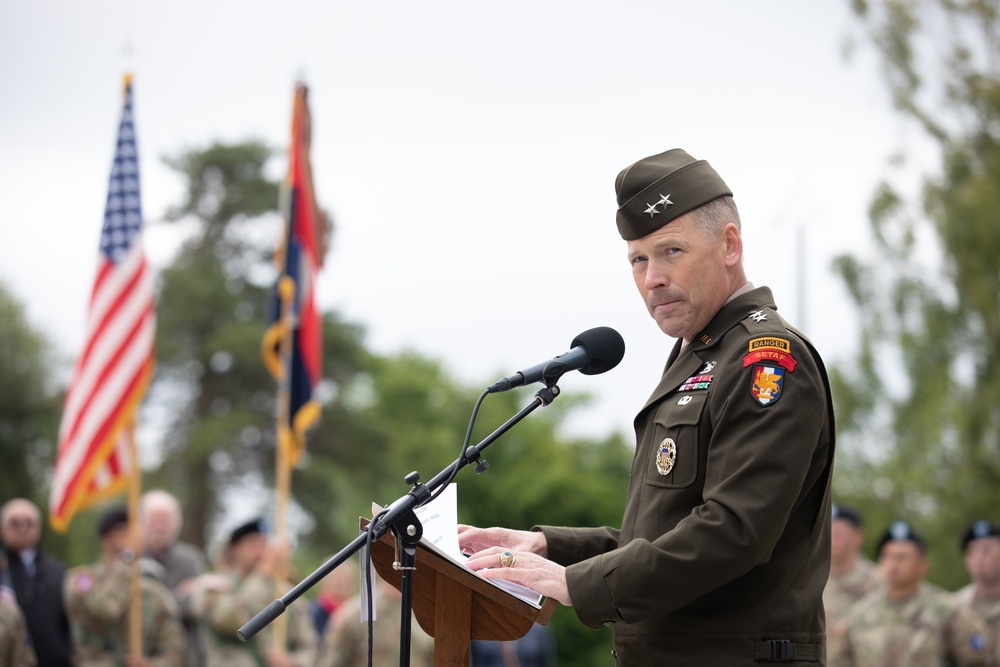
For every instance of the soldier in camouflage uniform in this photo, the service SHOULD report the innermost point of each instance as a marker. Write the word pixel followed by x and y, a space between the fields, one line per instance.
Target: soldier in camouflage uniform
pixel 15 649
pixel 97 601
pixel 225 600
pixel 346 638
pixel 973 633
pixel 852 576
pixel 901 623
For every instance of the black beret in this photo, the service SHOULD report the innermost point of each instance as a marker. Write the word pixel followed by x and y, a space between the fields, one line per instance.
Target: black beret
pixel 661 188
pixel 979 530
pixel 112 518
pixel 252 527
pixel 901 531
pixel 848 514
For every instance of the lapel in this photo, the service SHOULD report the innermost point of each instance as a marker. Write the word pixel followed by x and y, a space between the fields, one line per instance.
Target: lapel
pixel 682 365
pixel 679 369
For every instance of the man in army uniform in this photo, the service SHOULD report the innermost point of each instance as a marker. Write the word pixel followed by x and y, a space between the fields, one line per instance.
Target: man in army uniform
pixel 724 547
pixel 852 575
pixel 97 601
pixel 225 600
pixel 974 627
pixel 345 642
pixel 15 649
pixel 901 623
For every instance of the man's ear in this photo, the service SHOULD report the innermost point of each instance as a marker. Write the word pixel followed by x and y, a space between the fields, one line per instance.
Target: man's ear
pixel 734 245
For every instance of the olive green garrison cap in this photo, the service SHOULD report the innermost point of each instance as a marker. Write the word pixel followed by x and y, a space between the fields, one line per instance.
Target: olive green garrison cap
pixel 661 188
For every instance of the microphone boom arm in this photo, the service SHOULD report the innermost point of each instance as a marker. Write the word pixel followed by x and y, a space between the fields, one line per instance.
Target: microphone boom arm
pixel 401 511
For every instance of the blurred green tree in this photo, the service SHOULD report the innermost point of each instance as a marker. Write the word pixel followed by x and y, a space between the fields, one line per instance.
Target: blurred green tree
pixel 919 410
pixel 383 416
pixel 210 386
pixel 212 395
pixel 29 404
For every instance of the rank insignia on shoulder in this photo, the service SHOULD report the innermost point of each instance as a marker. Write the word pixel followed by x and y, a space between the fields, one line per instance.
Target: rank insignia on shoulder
pixel 771 350
pixel 666 456
pixel 766 382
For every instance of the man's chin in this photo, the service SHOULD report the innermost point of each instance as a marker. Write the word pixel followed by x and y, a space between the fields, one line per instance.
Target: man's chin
pixel 672 328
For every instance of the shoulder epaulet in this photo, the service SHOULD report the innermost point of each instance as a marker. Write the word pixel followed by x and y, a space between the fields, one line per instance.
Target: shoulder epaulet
pixel 763 320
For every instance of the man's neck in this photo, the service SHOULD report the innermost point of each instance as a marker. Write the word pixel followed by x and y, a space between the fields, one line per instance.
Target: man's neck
pixel 900 594
pixel 739 289
pixel 845 565
pixel 991 590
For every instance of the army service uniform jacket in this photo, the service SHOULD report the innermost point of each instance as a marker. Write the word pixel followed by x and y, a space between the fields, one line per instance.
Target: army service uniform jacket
pixel 724 546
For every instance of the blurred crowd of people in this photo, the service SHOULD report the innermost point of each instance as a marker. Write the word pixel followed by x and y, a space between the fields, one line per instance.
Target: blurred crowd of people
pixel 51 616
pixel 879 613
pixel 886 614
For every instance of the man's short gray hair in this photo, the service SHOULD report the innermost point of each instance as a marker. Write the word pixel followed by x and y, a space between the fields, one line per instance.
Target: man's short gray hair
pixel 716 214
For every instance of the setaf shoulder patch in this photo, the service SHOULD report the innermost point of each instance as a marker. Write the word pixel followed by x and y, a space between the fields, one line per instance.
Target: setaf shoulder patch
pixel 766 383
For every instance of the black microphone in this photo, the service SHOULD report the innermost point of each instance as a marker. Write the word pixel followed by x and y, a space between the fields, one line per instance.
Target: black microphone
pixel 593 352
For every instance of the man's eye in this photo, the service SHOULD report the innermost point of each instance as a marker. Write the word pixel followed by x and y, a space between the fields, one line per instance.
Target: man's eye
pixel 636 260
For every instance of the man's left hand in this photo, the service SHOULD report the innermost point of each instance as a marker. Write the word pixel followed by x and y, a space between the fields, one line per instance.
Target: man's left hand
pixel 527 569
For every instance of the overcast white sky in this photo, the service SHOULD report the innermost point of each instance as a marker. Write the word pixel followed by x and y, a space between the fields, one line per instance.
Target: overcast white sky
pixel 467 151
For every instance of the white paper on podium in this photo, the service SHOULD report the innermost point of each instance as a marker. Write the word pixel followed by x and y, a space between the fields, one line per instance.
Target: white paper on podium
pixel 439 519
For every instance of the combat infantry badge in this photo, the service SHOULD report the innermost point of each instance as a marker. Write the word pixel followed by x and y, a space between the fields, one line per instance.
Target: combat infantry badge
pixel 666 456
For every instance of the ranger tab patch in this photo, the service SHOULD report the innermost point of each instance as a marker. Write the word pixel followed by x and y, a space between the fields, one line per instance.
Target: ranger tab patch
pixel 765 386
pixel 771 350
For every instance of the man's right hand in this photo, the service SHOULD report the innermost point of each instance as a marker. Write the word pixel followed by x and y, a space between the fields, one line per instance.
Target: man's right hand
pixel 472 539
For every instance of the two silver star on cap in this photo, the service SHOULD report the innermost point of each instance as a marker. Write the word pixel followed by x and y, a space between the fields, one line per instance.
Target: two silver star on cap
pixel 664 200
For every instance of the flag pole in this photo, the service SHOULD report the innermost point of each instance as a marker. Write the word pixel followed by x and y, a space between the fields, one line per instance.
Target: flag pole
pixel 135 539
pixel 283 459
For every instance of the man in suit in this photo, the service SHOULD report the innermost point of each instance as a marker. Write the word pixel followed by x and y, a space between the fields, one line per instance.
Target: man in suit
pixel 724 547
pixel 37 579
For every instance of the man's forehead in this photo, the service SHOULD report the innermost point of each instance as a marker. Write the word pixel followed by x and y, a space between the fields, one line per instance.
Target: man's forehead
pixel 992 541
pixel 20 509
pixel 902 548
pixel 683 228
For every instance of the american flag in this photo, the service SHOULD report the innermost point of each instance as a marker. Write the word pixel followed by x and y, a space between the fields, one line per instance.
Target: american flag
pixel 114 369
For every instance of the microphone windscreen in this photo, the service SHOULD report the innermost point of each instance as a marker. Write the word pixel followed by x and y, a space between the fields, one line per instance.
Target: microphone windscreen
pixel 604 346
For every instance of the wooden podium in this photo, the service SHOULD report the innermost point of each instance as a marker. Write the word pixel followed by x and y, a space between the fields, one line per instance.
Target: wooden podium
pixel 455 606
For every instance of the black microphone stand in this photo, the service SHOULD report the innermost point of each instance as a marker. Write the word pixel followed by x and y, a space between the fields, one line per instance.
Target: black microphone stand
pixel 404 524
